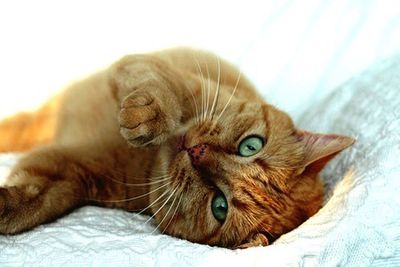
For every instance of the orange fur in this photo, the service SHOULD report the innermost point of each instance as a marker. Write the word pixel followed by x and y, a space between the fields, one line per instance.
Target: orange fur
pixel 23 131
pixel 108 138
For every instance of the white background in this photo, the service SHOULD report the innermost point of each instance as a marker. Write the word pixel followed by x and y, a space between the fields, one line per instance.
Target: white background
pixel 291 50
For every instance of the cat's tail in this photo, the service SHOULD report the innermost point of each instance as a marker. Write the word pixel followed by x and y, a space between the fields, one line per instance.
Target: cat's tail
pixel 24 131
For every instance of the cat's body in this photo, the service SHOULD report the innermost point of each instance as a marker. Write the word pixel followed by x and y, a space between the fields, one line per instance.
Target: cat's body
pixel 165 133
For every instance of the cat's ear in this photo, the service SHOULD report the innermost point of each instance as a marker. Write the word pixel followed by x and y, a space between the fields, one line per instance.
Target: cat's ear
pixel 319 149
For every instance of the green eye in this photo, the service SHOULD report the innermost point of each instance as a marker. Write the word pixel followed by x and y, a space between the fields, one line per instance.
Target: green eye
pixel 250 146
pixel 219 207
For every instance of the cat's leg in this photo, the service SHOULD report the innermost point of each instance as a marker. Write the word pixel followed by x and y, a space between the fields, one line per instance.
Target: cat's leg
pixel 153 97
pixel 46 184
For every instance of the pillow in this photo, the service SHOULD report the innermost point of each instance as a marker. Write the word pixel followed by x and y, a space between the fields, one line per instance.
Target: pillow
pixel 358 226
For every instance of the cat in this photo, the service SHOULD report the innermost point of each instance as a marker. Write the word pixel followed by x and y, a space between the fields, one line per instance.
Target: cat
pixel 177 134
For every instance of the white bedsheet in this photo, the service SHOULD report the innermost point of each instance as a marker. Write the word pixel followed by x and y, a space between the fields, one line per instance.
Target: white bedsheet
pixel 359 225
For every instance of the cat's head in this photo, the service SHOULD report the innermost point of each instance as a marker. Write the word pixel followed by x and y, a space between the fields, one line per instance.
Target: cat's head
pixel 243 180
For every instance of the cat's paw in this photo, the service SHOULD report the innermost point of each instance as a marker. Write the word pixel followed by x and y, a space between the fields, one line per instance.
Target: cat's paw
pixel 145 119
pixel 256 240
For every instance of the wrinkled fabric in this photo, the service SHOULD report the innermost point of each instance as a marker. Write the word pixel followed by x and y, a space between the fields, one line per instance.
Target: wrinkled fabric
pixel 358 226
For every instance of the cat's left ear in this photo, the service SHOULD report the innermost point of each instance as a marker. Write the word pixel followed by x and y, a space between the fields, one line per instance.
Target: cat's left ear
pixel 321 148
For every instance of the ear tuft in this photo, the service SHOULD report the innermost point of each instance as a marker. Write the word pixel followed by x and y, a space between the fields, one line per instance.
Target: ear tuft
pixel 319 149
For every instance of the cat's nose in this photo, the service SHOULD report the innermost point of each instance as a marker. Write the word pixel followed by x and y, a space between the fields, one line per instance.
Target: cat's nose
pixel 197 153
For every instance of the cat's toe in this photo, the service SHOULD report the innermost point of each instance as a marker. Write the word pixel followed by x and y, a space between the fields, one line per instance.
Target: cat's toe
pixel 134 116
pixel 142 120
pixel 139 136
pixel 137 100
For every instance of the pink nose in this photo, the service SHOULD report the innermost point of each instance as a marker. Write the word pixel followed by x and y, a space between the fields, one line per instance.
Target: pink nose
pixel 197 153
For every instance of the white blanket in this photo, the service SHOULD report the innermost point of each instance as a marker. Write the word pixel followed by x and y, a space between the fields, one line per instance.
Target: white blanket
pixel 358 226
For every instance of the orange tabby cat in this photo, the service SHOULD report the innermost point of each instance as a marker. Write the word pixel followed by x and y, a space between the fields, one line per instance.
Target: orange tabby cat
pixel 178 134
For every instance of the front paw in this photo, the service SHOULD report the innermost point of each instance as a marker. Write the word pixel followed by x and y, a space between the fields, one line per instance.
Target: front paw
pixel 144 119
pixel 256 240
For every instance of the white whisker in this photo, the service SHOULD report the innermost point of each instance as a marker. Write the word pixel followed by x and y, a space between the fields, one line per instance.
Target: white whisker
pixel 166 215
pixel 230 98
pixel 154 202
pixel 197 117
pixel 162 179
pixel 216 96
pixel 136 197
pixel 173 215
pixel 202 89
pixel 162 206
pixel 208 90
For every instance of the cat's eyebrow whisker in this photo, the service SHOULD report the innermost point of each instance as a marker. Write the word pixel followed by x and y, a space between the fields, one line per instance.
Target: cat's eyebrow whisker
pixel 203 99
pixel 197 119
pixel 216 95
pixel 173 215
pixel 196 111
pixel 230 98
pixel 162 206
pixel 202 90
pixel 208 90
pixel 166 214
pixel 133 198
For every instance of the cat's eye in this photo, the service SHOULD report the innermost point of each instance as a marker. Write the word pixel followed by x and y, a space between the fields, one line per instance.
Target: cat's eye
pixel 219 207
pixel 250 146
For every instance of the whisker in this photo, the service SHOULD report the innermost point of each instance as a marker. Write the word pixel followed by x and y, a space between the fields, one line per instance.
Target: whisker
pixel 216 96
pixel 202 89
pixel 154 202
pixel 162 179
pixel 173 215
pixel 273 236
pixel 166 215
pixel 230 98
pixel 162 206
pixel 197 117
pixel 133 198
pixel 208 89
pixel 117 173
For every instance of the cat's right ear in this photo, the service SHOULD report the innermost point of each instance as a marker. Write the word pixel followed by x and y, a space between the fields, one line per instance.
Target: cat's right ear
pixel 319 149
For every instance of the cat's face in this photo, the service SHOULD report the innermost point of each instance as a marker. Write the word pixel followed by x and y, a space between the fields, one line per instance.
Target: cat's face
pixel 246 175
